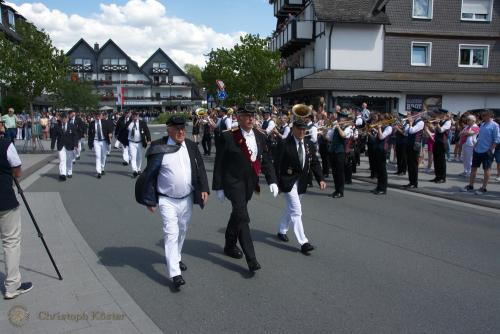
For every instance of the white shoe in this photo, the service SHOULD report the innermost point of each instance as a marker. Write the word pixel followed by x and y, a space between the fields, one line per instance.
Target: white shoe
pixel 497 178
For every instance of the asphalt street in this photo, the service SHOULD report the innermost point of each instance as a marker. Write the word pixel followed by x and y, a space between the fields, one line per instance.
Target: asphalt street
pixel 400 263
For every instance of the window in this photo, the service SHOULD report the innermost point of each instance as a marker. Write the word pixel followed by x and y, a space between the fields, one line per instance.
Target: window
pixel 78 61
pixel 477 10
pixel 86 62
pixel 474 56
pixel 422 9
pixel 156 65
pixel 12 19
pixel 106 61
pixel 163 65
pixel 114 61
pixel 421 53
pixel 122 61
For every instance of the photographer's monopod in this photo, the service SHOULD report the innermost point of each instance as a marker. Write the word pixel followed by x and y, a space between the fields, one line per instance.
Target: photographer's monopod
pixel 40 234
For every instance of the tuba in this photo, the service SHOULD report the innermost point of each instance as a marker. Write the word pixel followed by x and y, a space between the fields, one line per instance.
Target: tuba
pixel 200 112
pixel 301 110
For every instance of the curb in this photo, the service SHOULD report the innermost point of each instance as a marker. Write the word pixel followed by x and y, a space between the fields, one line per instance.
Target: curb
pixel 29 171
pixel 433 194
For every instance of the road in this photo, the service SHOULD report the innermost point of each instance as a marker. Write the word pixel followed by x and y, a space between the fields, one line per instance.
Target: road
pixel 400 263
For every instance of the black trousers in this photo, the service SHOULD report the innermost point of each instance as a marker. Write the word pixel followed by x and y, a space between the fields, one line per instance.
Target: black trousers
pixel 206 142
pixel 371 161
pixel 381 169
pixel 412 165
pixel 325 163
pixel 238 228
pixel 439 151
pixel 337 161
pixel 401 157
pixel 349 166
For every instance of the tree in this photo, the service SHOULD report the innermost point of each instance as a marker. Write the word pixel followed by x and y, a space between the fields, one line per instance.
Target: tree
pixel 77 95
pixel 250 71
pixel 194 71
pixel 31 66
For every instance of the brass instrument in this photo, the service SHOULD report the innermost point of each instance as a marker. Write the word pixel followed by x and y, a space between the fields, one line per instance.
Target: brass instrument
pixel 200 112
pixel 301 110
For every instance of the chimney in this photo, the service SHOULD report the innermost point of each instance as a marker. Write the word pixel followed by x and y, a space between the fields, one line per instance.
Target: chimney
pixel 96 47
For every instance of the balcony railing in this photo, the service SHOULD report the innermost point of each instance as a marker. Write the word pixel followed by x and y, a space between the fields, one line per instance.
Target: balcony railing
pixel 123 82
pixel 293 37
pixel 80 68
pixel 114 68
pixel 283 7
pixel 159 70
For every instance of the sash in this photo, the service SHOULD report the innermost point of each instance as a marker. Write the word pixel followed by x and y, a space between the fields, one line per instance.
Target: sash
pixel 242 143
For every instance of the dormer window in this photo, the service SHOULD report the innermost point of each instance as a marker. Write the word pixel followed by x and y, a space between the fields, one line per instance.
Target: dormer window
pixel 12 20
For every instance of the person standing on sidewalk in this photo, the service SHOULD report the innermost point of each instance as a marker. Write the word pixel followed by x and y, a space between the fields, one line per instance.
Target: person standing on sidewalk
pixel 10 219
pixel 10 121
pixel 487 140
pixel 99 139
pixel 66 135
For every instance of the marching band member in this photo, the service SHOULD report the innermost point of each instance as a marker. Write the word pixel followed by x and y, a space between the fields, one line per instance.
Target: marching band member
pixel 312 131
pixel 323 145
pixel 99 138
pixel 224 123
pixel 66 136
pixel 135 135
pixel 359 145
pixel 414 133
pixel 442 131
pixel 371 140
pixel 350 162
pixel 173 180
pixel 268 124
pixel 207 128
pixel 296 156
pixel 80 132
pixel 337 137
pixel 241 155
pixel 401 131
pixel 284 127
pixel 380 151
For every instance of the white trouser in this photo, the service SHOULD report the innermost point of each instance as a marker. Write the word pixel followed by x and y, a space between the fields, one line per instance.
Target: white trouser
pixel 293 215
pixel 65 162
pixel 19 133
pixel 467 157
pixel 125 155
pixel 10 231
pixel 175 214
pixel 78 150
pixel 100 149
pixel 117 143
pixel 135 153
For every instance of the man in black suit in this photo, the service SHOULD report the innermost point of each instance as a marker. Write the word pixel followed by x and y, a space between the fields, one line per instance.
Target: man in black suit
pixel 135 135
pixel 66 136
pixel 174 178
pixel 240 157
pixel 79 127
pixel 120 126
pixel 99 135
pixel 296 158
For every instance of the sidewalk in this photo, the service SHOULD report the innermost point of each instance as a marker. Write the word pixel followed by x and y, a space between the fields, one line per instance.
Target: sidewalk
pixel 33 160
pixel 88 299
pixel 449 190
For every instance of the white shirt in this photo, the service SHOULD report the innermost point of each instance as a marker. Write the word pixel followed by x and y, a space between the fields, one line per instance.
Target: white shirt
pixel 270 126
pixel 13 157
pixel 303 150
pixel 137 133
pixel 313 132
pixel 359 120
pixel 251 143
pixel 286 132
pixel 419 126
pixel 98 122
pixel 228 121
pixel 347 131
pixel 387 132
pixel 174 179
pixel 446 126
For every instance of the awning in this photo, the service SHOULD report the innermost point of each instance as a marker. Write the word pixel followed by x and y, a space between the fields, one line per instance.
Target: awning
pixel 340 93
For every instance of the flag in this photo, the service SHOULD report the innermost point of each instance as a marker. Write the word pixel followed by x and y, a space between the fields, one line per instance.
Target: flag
pixel 120 93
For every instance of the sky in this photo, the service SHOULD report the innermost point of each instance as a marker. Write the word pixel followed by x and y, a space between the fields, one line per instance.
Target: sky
pixel 185 29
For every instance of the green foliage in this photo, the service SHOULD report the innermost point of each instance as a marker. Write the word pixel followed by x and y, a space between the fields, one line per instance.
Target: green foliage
pixel 15 101
pixel 77 95
pixel 194 71
pixel 249 70
pixel 32 66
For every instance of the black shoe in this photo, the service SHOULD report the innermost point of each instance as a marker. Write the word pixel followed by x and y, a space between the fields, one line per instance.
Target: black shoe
pixel 77 158
pixel 410 186
pixel 306 248
pixel 253 265
pixel 434 180
pixel 134 174
pixel 70 176
pixel 98 175
pixel 103 173
pixel 337 195
pixel 62 178
pixel 182 266
pixel 125 163
pixel 348 182
pixel 441 181
pixel 139 172
pixel 178 281
pixel 380 192
pixel 283 237
pixel 234 252
pixel 373 191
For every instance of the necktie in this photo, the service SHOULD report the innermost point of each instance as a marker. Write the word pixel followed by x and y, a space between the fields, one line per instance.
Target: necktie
pixel 301 154
pixel 99 134
pixel 133 130
pixel 65 126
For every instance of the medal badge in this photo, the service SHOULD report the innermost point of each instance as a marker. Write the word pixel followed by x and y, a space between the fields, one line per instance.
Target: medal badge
pixel 289 171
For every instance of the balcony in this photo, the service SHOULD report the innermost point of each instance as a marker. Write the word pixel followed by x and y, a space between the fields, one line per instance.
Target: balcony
pixel 123 82
pixel 81 68
pixel 114 68
pixel 294 36
pixel 283 7
pixel 159 70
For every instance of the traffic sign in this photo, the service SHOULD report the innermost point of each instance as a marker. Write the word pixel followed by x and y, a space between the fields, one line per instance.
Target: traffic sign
pixel 221 95
pixel 220 84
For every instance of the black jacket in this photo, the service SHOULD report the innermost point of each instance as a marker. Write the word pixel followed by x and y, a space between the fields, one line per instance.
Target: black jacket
pixel 107 129
pixel 120 125
pixel 79 127
pixel 233 171
pixel 68 139
pixel 145 187
pixel 143 128
pixel 288 167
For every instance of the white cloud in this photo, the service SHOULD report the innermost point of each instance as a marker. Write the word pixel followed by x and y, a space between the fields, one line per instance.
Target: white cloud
pixel 139 27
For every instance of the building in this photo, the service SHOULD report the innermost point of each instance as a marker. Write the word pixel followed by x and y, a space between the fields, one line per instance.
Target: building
pixel 159 84
pixel 392 54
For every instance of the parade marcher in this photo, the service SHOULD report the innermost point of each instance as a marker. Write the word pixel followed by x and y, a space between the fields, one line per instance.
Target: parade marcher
pixel 380 154
pixel 296 155
pixel 207 129
pixel 336 137
pixel 99 137
pixel 66 136
pixel 10 124
pixel 173 180
pixel 360 143
pixel 414 133
pixel 442 132
pixel 241 155
pixel 10 219
pixel 196 129
pixel 370 144
pixel 224 123
pixel 268 124
pixel 120 127
pixel 135 135
pixel 79 127
pixel 323 148
pixel 400 131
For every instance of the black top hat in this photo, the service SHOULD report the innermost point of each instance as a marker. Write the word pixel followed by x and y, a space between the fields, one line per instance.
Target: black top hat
pixel 299 123
pixel 176 120
pixel 247 109
pixel 223 109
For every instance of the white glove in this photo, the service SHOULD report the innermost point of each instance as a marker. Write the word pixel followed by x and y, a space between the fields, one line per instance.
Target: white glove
pixel 220 195
pixel 273 187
